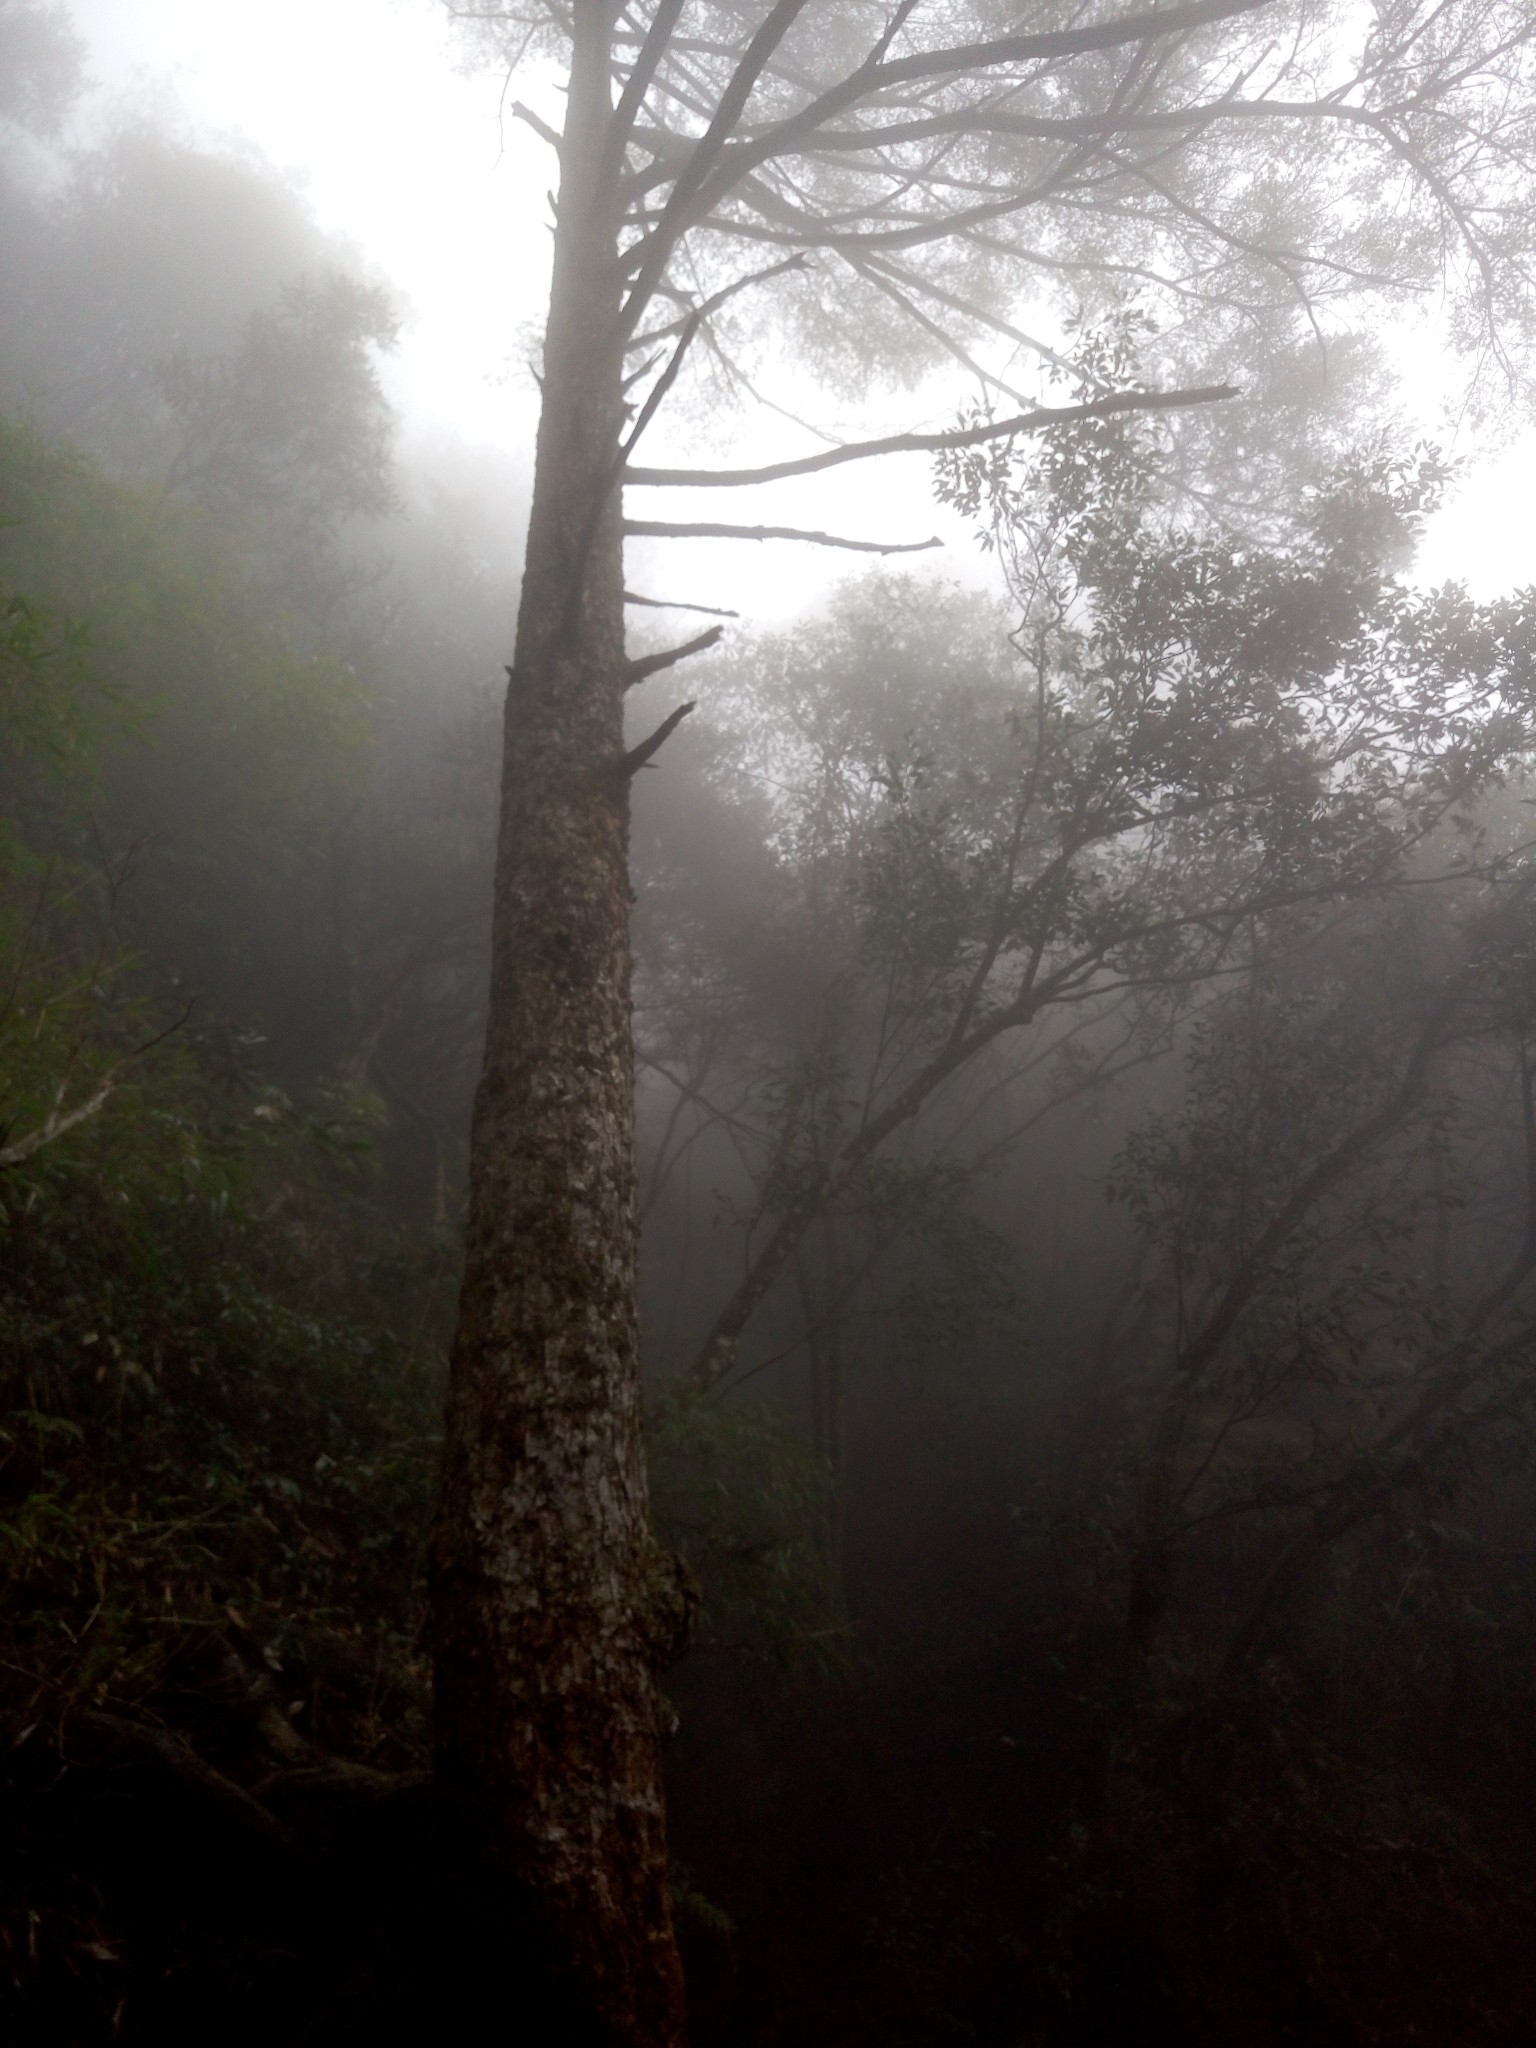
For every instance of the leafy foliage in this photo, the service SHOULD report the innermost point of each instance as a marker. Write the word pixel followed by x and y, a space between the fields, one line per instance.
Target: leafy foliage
pixel 743 1497
pixel 211 1438
pixel 230 750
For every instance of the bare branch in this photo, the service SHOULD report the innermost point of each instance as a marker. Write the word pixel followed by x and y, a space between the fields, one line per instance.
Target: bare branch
pixel 646 665
pixel 60 1121
pixel 718 299
pixel 959 437
pixel 653 399
pixel 57 1124
pixel 667 604
pixel 638 756
pixel 668 529
pixel 915 282
pixel 540 127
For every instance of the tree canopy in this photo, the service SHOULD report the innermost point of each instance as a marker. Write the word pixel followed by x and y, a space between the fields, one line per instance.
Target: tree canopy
pixel 902 185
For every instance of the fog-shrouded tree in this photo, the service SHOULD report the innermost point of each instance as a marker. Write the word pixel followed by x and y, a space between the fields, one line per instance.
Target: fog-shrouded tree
pixel 289 434
pixel 176 310
pixel 41 62
pixel 890 184
pixel 1340 1227
pixel 989 863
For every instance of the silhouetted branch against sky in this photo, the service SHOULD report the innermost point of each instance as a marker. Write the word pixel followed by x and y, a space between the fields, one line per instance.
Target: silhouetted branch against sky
pixel 704 529
pixel 1253 161
pixel 1038 420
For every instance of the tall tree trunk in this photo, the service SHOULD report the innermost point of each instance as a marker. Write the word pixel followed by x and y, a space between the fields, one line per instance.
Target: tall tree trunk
pixel 553 1612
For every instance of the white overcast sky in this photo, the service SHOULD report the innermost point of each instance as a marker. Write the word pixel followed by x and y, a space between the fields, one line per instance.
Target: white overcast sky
pixel 397 150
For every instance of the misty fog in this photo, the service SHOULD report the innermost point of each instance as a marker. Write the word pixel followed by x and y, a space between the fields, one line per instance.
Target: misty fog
pixel 1082 982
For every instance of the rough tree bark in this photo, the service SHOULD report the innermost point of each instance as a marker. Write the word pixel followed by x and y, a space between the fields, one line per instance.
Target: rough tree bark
pixel 692 132
pixel 553 1612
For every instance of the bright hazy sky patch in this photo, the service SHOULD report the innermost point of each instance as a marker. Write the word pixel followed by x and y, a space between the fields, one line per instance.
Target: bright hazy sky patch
pixel 445 196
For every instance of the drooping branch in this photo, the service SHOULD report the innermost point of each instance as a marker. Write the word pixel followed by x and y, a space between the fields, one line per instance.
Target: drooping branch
pixel 946 341
pixel 929 289
pixel 975 122
pixel 704 529
pixel 960 437
pixel 1079 127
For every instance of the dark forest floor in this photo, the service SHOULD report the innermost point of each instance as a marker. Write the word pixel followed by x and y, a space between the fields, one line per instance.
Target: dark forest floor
pixel 851 1870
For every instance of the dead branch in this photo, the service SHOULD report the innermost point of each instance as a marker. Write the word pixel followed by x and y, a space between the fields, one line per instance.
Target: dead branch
pixel 961 437
pixel 669 529
pixel 668 604
pixel 638 756
pixel 60 1121
pixel 541 128
pixel 651 664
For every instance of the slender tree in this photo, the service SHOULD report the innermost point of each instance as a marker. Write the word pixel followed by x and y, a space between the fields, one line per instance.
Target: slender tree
pixel 910 173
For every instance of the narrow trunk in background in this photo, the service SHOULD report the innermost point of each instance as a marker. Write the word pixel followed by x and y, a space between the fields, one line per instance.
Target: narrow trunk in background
pixel 552 1610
